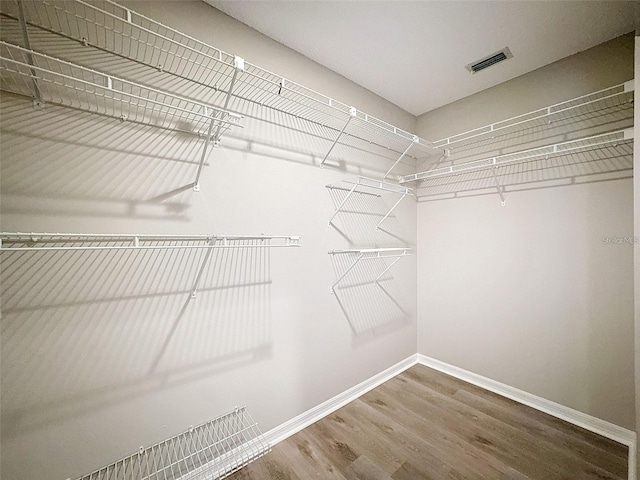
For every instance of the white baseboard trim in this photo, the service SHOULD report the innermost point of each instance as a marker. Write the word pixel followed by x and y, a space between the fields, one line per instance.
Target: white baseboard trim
pixel 311 416
pixel 588 422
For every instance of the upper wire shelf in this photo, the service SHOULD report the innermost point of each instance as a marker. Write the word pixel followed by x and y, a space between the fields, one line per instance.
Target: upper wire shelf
pixel 48 79
pixel 562 148
pixel 105 25
pixel 90 241
pixel 578 106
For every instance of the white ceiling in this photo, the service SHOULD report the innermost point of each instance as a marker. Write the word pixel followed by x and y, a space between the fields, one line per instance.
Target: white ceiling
pixel 413 53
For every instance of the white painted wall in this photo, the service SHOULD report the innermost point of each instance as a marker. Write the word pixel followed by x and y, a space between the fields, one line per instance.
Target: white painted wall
pixel 104 353
pixel 529 294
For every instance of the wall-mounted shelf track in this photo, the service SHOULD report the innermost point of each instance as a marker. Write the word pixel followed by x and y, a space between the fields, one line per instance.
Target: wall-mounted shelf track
pixel 581 106
pixel 546 151
pixel 228 79
pixel 362 254
pixel 362 185
pixel 212 451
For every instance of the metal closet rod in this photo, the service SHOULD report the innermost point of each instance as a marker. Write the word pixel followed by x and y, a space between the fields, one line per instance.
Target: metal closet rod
pixel 200 55
pixel 525 155
pixel 562 107
pixel 137 241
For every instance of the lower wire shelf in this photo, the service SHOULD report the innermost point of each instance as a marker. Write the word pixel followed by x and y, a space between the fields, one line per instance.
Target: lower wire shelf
pixel 211 451
pixel 396 253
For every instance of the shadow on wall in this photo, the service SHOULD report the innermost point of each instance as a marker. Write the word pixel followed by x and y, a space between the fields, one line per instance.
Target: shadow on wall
pixel 274 125
pixel 589 164
pixel 365 219
pixel 82 163
pixel 83 330
pixel 368 296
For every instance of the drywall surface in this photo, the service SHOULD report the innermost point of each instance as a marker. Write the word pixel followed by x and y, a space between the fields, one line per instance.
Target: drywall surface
pixel 103 352
pixel 537 294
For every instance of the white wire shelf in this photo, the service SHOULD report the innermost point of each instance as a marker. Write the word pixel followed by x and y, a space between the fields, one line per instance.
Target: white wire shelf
pixel 525 155
pixel 579 106
pixel 376 252
pixel 213 450
pixel 70 85
pixel 47 242
pixel 362 185
pixel 89 241
pixel 397 253
pixel 112 28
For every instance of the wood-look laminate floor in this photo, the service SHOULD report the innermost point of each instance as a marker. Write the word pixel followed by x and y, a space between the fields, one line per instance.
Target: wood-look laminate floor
pixel 423 424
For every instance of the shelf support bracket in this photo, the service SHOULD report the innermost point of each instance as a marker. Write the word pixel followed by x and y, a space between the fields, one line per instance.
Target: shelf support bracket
pixel 355 185
pixel 37 95
pixel 205 260
pixel 391 210
pixel 499 186
pixel 238 63
pixel 387 269
pixel 333 287
pixel 203 156
pixel 352 113
pixel 413 142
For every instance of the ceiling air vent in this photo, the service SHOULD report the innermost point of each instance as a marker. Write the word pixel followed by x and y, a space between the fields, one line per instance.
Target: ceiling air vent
pixel 475 67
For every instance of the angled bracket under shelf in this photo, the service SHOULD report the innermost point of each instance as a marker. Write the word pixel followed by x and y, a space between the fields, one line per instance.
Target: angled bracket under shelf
pixel 352 113
pixel 229 242
pixel 376 185
pixel 37 96
pixel 499 187
pixel 369 254
pixel 414 141
pixel 238 64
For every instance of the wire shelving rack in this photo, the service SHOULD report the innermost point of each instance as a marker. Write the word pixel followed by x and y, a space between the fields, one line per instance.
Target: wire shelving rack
pixel 107 26
pixel 575 107
pixel 20 242
pixel 525 155
pixel 211 451
pixel 603 117
pixel 363 254
pixel 362 185
pixel 51 80
pixel 48 242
